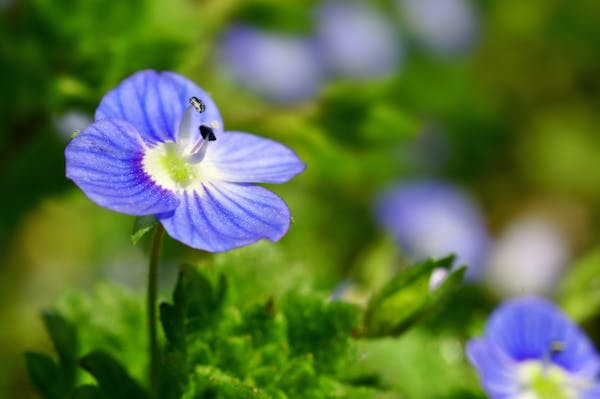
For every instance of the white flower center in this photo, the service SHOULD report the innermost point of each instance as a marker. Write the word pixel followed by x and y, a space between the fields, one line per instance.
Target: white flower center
pixel 178 166
pixel 546 380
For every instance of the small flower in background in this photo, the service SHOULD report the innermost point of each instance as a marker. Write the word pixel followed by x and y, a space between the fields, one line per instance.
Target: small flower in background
pixel 531 350
pixel 438 276
pixel 282 68
pixel 528 258
pixel 442 26
pixel 435 219
pixel 357 40
pixel 157 147
pixel 71 122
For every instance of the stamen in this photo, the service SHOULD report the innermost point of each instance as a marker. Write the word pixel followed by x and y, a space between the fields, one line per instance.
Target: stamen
pixel 207 133
pixel 198 146
pixel 198 104
pixel 556 347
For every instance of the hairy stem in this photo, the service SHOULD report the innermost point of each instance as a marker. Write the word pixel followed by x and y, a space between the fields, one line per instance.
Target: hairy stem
pixel 152 310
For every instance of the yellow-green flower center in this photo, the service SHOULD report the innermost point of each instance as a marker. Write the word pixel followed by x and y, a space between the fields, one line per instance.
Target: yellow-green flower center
pixel 170 169
pixel 180 170
pixel 547 381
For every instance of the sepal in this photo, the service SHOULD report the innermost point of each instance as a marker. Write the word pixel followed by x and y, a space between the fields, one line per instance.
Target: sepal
pixel 407 298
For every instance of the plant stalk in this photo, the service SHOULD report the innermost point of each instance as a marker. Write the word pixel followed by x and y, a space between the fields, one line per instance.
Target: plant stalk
pixel 154 369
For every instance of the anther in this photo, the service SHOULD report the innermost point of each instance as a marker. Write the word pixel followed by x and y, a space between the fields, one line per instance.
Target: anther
pixel 198 104
pixel 207 133
pixel 556 347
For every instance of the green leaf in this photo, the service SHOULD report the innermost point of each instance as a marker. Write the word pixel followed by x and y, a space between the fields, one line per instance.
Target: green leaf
pixel 113 379
pixel 190 324
pixel 64 337
pixel 198 301
pixel 386 124
pixel 45 375
pixel 579 293
pixel 320 329
pixel 210 382
pixel 88 392
pixel 55 380
pixel 407 298
pixel 141 226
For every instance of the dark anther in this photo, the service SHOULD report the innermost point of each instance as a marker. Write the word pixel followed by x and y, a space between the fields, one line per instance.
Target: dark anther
pixel 198 104
pixel 557 347
pixel 207 133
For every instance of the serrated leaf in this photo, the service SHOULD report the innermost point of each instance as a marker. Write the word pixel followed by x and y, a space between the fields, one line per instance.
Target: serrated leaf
pixel 141 226
pixel 112 378
pixel 197 305
pixel 408 297
pixel 320 329
pixel 210 382
pixel 45 375
pixel 188 323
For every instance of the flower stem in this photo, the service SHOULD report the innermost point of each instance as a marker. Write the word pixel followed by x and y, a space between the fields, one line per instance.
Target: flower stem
pixel 152 309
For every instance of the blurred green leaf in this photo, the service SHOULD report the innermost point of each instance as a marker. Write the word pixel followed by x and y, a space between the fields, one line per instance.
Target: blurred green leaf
pixel 387 124
pixel 65 340
pixel 46 376
pixel 55 380
pixel 113 379
pixel 112 319
pixel 408 297
pixel 141 226
pixel 87 392
pixel 579 292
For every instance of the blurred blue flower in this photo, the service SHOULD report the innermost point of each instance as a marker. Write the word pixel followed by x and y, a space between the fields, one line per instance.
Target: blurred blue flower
pixel 157 147
pixel 282 68
pixel 434 219
pixel 442 26
pixel 531 350
pixel 357 40
pixel 71 122
pixel 529 257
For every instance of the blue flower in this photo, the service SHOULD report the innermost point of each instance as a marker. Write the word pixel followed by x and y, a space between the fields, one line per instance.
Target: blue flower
pixel 283 68
pixel 531 350
pixel 444 27
pixel 357 40
pixel 157 147
pixel 434 219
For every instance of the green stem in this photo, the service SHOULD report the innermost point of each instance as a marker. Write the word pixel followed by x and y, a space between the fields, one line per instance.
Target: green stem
pixel 152 309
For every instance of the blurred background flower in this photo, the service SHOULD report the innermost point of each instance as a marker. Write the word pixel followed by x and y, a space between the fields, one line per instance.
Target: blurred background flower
pixel 357 40
pixel 282 68
pixel 529 257
pixel 444 27
pixel 71 122
pixel 435 219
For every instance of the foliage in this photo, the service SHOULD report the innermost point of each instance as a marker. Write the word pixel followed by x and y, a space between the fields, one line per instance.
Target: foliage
pixel 293 345
pixel 514 121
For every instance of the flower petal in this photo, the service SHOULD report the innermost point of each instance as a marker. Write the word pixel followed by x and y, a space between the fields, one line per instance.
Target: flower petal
pixel 244 158
pixel 497 371
pixel 591 393
pixel 105 161
pixel 220 217
pixel 154 102
pixel 526 328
